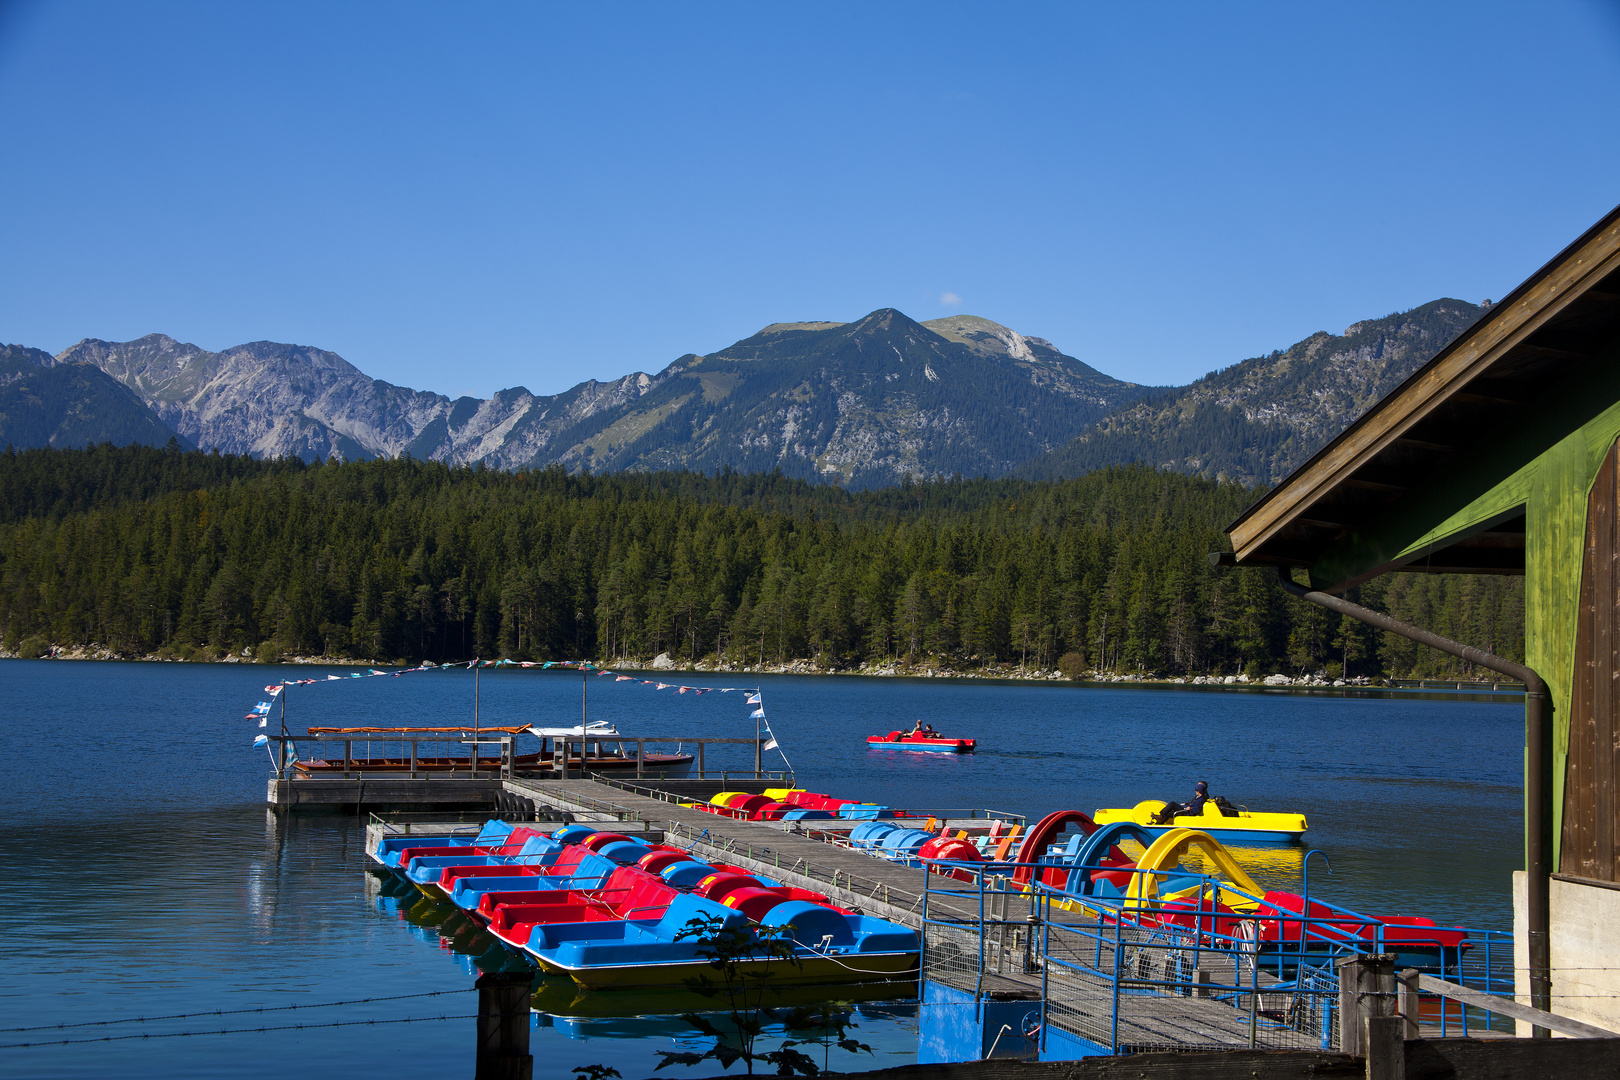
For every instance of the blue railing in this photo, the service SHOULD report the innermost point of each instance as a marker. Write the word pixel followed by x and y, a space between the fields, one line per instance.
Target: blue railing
pixel 1283 986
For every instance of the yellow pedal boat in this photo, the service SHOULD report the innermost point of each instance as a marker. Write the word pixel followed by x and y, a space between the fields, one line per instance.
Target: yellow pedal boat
pixel 1222 826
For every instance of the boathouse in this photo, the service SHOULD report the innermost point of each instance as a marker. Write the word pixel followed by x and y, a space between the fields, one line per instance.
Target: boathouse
pixel 1501 455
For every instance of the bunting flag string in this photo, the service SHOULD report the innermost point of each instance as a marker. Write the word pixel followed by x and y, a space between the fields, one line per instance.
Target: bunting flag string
pixel 755 696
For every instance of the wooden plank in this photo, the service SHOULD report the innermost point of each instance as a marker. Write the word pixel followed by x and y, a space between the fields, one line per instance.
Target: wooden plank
pixel 1508 1007
pixel 1605 699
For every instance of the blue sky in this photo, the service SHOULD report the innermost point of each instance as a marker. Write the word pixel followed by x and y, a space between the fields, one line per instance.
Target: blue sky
pixel 467 197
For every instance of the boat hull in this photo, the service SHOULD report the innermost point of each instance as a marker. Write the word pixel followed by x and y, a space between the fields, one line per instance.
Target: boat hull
pixel 1246 827
pixel 941 746
pixel 810 971
pixel 654 766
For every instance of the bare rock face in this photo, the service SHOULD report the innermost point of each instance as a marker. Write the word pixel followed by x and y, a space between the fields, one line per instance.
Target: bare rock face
pixel 867 402
pixel 273 400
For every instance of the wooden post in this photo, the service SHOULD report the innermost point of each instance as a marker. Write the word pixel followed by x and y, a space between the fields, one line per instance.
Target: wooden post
pixel 1384 1041
pixel 1366 989
pixel 759 756
pixel 413 758
pixel 641 758
pixel 700 759
pixel 1409 1001
pixel 503 1026
pixel 1201 979
pixel 348 753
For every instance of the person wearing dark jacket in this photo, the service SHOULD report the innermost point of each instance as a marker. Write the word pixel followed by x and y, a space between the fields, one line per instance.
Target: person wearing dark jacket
pixel 1174 810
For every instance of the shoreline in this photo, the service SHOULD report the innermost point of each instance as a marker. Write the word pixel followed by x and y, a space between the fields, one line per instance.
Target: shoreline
pixel 1012 673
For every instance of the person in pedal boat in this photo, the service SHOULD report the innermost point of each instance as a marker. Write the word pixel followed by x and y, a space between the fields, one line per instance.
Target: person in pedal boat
pixel 923 730
pixel 1173 809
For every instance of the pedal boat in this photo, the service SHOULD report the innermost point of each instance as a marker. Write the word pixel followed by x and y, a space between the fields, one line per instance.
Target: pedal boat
pixel 829 946
pixel 911 740
pixel 1090 875
pixel 1245 826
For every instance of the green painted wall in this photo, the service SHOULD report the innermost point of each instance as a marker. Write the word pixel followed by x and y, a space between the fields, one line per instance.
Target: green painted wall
pixel 1545 464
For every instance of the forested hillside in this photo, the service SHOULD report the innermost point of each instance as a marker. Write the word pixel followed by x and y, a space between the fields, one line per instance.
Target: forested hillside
pixel 190 554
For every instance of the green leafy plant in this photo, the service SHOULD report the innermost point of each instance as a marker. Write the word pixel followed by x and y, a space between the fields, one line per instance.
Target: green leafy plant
pixel 830 1023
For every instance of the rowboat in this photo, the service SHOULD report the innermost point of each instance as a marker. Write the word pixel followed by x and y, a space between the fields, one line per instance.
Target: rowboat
pixel 912 740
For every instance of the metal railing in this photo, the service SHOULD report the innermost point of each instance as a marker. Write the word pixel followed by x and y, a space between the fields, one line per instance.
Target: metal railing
pixel 407 759
pixel 1209 968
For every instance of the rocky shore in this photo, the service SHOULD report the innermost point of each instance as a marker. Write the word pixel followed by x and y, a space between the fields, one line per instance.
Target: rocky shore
pixel 662 662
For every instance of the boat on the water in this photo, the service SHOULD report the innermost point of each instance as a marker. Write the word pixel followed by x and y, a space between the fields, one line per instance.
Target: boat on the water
pixel 608 910
pixel 1223 824
pixel 920 740
pixel 605 748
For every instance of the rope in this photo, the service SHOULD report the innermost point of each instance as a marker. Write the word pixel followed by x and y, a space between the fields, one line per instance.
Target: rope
pixel 233 1012
pixel 238 1031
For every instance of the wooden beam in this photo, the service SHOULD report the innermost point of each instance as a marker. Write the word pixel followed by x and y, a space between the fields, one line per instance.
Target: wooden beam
pixel 1507 1007
pixel 1507 326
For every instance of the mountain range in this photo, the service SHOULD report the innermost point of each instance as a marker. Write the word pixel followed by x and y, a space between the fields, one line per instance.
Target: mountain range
pixel 864 403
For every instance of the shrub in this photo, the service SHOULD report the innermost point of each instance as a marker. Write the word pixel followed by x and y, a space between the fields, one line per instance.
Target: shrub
pixel 1073 665
pixel 32 647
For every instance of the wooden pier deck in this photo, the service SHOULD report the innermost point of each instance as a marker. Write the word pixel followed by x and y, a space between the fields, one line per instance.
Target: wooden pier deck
pixel 853 880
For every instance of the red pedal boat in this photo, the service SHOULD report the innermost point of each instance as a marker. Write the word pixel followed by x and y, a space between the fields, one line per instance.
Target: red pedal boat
pixel 919 740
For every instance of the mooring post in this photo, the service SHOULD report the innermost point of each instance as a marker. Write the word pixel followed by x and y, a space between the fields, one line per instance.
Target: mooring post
pixel 1367 1003
pixel 503 1026
pixel 1409 1001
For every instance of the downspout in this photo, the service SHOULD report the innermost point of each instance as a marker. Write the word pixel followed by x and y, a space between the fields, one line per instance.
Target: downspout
pixel 1536 818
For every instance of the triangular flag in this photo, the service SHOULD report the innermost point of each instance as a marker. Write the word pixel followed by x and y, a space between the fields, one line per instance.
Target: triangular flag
pixel 757 714
pixel 624 678
pixel 684 689
pixel 753 699
pixel 274 690
pixel 662 686
pixel 263 722
pixel 770 744
pixel 331 677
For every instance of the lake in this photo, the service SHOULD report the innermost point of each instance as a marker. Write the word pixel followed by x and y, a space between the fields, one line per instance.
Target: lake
pixel 145 879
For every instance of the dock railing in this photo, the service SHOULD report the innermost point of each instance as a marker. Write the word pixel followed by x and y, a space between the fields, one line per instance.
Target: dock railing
pixel 406 757
pixel 1132 973
pixel 700 745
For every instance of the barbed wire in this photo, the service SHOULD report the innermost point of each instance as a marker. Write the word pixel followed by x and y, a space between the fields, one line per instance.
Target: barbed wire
pixel 235 1031
pixel 230 1012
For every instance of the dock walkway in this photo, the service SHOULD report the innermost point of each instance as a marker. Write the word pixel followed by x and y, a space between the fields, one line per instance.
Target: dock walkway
pixel 853 880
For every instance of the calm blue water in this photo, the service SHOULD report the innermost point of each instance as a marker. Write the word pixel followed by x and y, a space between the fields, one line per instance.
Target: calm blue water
pixel 144 878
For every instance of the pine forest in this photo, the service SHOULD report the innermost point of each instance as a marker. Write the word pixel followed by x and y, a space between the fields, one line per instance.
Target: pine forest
pixel 189 555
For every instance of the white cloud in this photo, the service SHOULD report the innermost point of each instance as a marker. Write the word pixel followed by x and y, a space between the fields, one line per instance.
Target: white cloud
pixel 950 299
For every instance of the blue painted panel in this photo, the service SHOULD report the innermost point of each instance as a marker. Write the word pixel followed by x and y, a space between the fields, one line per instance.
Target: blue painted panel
pixel 951 1027
pixel 1064 1046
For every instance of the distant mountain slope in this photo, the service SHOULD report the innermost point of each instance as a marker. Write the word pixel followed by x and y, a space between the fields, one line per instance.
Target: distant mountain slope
pixel 1257 420
pixel 45 403
pixel 862 403
pixel 275 400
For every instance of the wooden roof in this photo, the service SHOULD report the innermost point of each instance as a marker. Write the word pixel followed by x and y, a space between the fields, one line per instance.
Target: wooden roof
pixel 1558 320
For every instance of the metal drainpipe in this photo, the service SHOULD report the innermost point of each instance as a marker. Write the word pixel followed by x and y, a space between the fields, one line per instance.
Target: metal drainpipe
pixel 1535 703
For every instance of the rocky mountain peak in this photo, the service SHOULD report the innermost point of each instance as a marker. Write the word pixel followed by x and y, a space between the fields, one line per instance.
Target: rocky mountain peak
pixel 989 339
